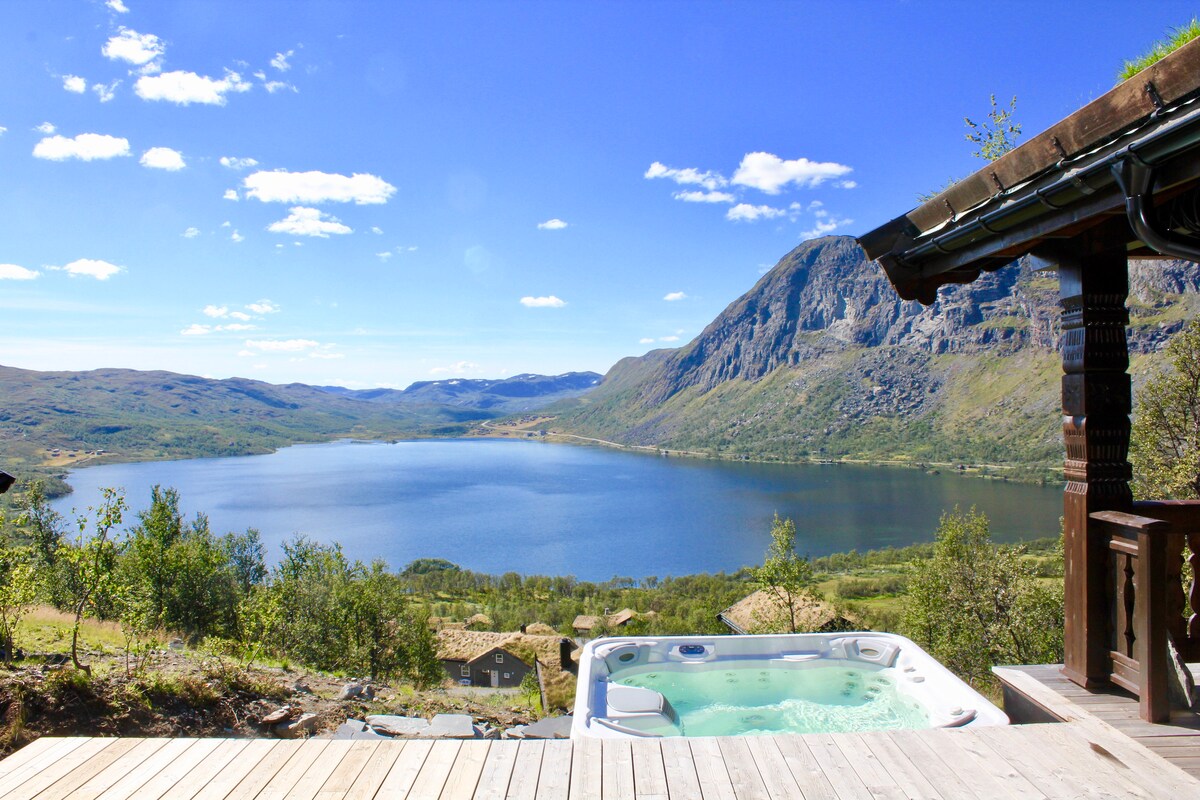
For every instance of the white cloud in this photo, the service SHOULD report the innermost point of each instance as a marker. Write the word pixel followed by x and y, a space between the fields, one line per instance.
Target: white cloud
pixel 191 233
pixel 671 297
pixel 90 267
pixel 263 307
pixel 196 330
pixel 236 326
pixel 118 6
pixel 226 224
pixel 12 272
pixel 317 187
pixel 2 130
pixel 744 212
pixel 770 173
pixel 136 48
pixel 690 175
pixel 230 194
pixel 106 92
pixel 645 340
pixel 46 128
pixel 823 227
pixel 163 158
pixel 385 255
pixel 236 237
pixel 280 61
pixel 375 229
pixel 668 338
pixel 309 222
pixel 281 345
pixel 85 147
pixel 457 368
pixel 278 86
pixel 704 197
pixel 216 311
pixel 846 184
pixel 185 88
pixel 543 302
pixel 238 163
pixel 74 83
pixel 242 315
pixel 552 225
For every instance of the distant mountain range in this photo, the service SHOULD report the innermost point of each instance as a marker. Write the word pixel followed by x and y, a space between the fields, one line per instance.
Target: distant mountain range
pixel 821 359
pixel 134 414
pixel 525 392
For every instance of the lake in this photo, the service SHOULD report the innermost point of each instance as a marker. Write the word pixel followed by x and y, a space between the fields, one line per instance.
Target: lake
pixel 531 507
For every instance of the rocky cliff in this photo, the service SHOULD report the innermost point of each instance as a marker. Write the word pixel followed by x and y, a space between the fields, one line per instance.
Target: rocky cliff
pixel 821 358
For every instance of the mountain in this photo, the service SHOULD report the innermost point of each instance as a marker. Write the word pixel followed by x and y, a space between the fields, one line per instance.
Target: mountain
pixel 135 414
pixel 520 393
pixel 821 359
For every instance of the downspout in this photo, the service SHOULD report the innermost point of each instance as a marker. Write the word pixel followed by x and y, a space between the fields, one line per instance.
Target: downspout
pixel 1136 179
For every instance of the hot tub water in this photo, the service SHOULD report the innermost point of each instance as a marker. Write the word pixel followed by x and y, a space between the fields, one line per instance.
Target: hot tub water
pixel 756 698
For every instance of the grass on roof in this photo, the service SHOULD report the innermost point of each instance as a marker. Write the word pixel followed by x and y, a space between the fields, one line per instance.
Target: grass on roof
pixel 1175 39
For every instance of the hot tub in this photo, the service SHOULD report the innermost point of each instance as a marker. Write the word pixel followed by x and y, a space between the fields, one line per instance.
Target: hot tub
pixel 752 685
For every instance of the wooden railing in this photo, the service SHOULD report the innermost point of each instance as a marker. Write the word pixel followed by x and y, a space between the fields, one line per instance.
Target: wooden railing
pixel 1146 598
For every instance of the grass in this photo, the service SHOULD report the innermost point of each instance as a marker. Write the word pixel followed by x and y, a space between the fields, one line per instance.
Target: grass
pixel 47 629
pixel 1176 38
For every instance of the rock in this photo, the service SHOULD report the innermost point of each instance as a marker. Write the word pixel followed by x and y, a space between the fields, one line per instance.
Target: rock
pixel 368 692
pixel 351 691
pixel 451 726
pixel 297 728
pixel 300 687
pixel 515 732
pixel 176 645
pixel 280 715
pixel 355 729
pixel 393 725
pixel 549 728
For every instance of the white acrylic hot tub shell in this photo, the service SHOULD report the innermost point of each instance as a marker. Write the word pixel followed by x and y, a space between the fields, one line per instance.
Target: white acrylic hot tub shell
pixel 949 700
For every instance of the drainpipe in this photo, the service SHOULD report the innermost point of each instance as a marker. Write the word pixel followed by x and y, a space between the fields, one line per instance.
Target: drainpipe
pixel 1136 179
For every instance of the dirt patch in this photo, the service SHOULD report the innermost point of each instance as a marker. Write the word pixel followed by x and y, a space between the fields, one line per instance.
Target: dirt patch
pixel 189 696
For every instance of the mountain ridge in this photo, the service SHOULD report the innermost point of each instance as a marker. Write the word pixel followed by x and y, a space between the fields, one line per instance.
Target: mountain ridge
pixel 821 359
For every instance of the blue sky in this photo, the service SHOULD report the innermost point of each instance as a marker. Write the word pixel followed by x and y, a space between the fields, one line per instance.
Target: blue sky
pixel 370 194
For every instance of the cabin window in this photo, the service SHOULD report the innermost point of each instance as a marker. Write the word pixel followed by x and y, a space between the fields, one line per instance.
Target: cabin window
pixel 506 674
pixel 465 671
pixel 499 658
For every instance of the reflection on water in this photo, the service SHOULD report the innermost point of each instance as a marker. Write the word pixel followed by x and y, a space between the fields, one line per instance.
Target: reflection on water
pixel 529 507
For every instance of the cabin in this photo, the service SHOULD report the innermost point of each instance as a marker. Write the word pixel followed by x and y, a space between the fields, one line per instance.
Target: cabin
pixel 585 625
pixel 1118 179
pixel 764 611
pixel 484 658
pixel 495 667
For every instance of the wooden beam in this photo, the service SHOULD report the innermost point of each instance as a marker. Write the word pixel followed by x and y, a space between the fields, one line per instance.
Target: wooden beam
pixel 1094 285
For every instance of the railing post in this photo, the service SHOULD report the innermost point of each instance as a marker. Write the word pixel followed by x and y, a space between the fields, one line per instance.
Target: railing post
pixel 1094 284
pixel 1150 622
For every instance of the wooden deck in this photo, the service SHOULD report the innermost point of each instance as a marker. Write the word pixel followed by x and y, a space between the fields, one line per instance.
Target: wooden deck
pixel 1036 761
pixel 1177 741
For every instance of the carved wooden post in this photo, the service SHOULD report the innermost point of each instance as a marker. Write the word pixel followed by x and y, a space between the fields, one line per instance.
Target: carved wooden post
pixel 1096 401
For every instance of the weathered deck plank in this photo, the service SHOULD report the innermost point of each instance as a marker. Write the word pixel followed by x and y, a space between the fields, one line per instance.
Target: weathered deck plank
pixel 554 782
pixel 526 770
pixel 587 769
pixel 1111 715
pixel 1070 760
pixel 497 771
pixel 464 777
